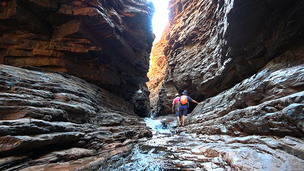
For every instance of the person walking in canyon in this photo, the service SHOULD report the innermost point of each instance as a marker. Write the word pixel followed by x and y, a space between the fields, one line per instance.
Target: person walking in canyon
pixel 175 108
pixel 184 104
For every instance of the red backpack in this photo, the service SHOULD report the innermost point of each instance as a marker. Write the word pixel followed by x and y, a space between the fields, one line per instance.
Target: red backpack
pixel 184 99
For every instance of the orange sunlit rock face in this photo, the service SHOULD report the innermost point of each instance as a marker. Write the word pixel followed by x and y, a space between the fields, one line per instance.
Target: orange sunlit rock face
pixel 157 71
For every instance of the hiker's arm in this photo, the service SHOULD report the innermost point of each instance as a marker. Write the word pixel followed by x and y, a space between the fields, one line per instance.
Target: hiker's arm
pixel 173 107
pixel 195 101
pixel 178 106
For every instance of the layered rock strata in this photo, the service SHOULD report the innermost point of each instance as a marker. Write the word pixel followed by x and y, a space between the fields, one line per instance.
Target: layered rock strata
pixel 104 42
pixel 268 103
pixel 52 120
pixel 141 101
pixel 50 116
pixel 157 73
pixel 213 45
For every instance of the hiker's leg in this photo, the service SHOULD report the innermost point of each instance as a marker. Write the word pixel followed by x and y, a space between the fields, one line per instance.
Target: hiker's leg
pixel 177 113
pixel 184 114
pixel 178 121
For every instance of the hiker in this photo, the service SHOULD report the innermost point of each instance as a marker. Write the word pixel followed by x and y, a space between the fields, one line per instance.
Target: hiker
pixel 174 108
pixel 183 105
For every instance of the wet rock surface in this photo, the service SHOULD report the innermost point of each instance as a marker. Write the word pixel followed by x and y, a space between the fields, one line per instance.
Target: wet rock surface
pixel 52 120
pixel 193 151
pixel 172 148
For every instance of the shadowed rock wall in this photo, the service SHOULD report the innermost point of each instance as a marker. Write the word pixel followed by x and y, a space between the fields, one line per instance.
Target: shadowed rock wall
pixel 268 103
pixel 104 42
pixel 72 77
pixel 213 45
pixel 49 117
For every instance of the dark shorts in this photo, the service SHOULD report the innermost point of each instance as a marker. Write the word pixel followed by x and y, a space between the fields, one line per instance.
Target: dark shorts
pixel 183 110
pixel 177 113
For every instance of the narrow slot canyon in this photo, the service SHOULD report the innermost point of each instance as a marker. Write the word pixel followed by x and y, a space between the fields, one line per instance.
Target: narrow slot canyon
pixel 87 85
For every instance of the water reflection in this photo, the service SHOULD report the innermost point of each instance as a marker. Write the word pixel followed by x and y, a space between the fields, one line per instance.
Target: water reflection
pixel 140 158
pixel 149 155
pixel 158 127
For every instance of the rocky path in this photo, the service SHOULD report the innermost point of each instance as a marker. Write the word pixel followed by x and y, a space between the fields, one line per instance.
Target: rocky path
pixel 173 148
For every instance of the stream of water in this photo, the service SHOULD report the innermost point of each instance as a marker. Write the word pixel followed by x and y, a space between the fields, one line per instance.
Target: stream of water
pixel 171 148
pixel 157 153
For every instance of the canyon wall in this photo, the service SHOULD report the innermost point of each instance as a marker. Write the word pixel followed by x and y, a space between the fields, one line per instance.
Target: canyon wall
pixel 157 73
pixel 72 81
pixel 106 43
pixel 244 62
pixel 50 120
pixel 213 45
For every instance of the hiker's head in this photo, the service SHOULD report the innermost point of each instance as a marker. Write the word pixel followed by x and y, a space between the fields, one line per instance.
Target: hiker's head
pixel 185 92
pixel 176 95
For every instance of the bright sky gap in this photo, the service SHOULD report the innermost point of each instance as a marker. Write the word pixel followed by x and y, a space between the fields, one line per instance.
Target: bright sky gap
pixel 160 17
